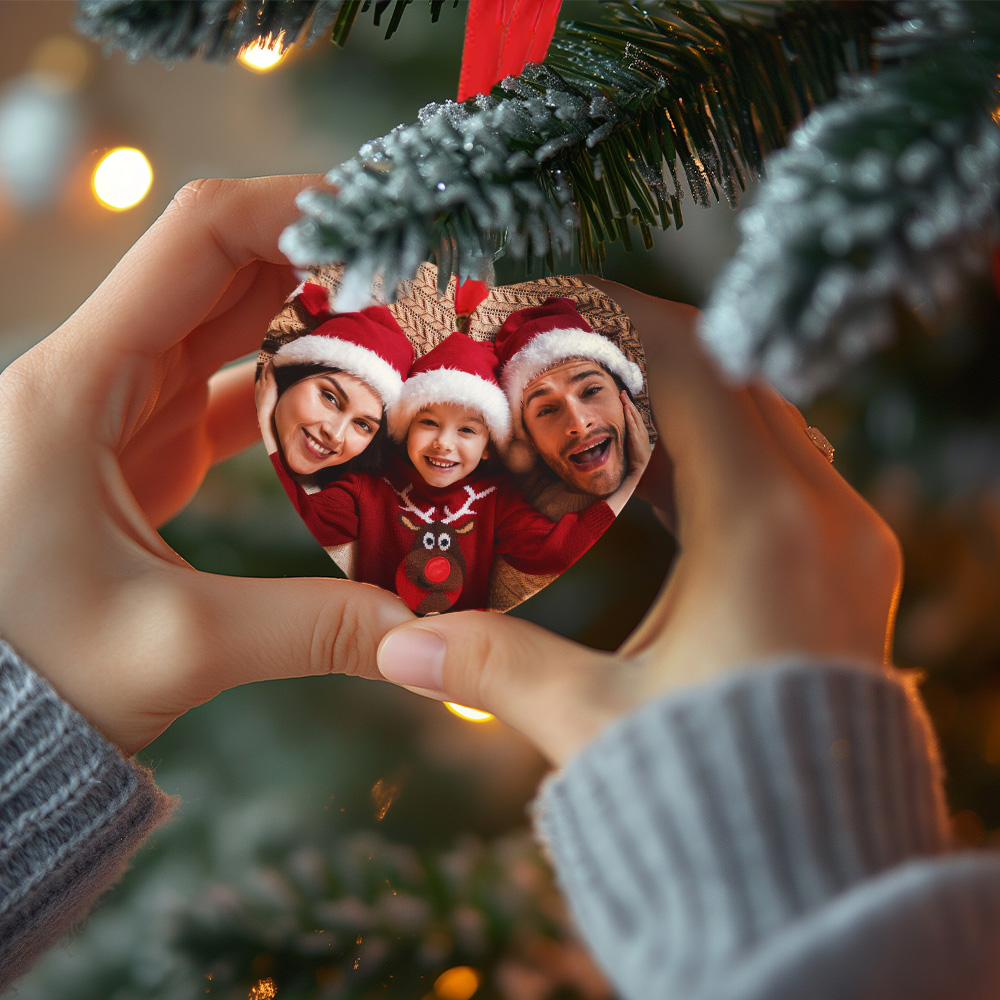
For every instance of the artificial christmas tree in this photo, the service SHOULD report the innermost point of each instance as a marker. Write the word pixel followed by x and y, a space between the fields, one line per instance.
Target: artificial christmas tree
pixel 880 204
pixel 887 196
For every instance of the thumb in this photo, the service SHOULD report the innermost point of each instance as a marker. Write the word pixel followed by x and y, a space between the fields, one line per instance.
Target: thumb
pixel 553 691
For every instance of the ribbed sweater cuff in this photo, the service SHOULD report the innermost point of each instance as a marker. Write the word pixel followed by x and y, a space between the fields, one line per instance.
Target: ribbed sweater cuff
pixel 72 812
pixel 598 517
pixel 720 813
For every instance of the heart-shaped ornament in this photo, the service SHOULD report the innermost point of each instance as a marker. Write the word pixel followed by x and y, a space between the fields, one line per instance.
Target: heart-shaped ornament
pixel 460 462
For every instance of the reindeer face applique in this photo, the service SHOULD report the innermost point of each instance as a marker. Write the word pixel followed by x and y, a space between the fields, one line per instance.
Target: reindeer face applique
pixel 432 574
pixel 435 564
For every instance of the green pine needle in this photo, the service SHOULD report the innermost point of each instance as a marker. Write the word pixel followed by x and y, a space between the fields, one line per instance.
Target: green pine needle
pixel 885 199
pixel 218 30
pixel 576 153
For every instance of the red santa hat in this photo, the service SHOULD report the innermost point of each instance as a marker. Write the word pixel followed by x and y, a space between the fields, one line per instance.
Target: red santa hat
pixel 369 345
pixel 531 341
pixel 458 370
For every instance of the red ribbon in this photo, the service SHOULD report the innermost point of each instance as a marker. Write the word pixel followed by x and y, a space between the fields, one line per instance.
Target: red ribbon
pixel 316 300
pixel 501 38
pixel 468 295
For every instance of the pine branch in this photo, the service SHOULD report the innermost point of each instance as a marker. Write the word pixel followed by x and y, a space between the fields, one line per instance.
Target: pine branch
pixel 578 151
pixel 218 30
pixel 882 199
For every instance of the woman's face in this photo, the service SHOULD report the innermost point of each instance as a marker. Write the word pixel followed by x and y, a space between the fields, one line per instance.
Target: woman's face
pixel 325 420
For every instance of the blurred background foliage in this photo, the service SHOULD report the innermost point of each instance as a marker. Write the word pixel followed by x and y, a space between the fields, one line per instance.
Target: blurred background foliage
pixel 341 838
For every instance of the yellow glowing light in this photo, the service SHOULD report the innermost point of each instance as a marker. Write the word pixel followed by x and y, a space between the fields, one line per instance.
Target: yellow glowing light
pixel 457 984
pixel 264 989
pixel 122 179
pixel 463 712
pixel 63 62
pixel 263 56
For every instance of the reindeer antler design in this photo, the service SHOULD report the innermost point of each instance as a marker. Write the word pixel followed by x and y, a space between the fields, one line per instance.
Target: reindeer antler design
pixel 425 516
pixel 471 497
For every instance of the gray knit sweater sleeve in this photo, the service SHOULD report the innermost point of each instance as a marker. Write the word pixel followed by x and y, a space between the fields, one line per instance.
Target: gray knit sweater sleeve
pixel 72 812
pixel 779 834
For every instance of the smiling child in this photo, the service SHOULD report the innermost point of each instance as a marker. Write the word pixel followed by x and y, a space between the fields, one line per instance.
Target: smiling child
pixel 431 526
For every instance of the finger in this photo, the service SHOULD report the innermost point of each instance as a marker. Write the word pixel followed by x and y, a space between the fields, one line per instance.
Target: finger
pixel 266 401
pixel 241 321
pixel 631 409
pixel 790 430
pixel 871 546
pixel 632 415
pixel 257 629
pixel 554 691
pixel 638 436
pixel 642 436
pixel 231 422
pixel 175 639
pixel 230 425
pixel 710 428
pixel 206 234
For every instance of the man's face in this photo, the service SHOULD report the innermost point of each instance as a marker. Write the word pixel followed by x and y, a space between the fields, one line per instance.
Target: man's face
pixel 575 419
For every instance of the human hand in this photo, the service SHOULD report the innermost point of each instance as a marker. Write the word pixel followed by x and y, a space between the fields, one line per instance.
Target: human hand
pixel 637 458
pixel 779 556
pixel 639 447
pixel 106 429
pixel 265 399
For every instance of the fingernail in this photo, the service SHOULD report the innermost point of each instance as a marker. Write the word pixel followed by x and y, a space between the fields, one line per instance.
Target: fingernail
pixel 413 657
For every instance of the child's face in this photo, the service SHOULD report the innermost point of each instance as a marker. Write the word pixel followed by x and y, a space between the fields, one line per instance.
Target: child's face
pixel 325 420
pixel 446 442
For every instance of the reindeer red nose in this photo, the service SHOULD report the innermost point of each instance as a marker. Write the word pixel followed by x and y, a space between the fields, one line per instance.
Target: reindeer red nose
pixel 437 569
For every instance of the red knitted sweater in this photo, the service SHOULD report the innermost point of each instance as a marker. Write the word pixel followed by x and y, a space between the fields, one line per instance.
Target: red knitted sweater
pixel 435 546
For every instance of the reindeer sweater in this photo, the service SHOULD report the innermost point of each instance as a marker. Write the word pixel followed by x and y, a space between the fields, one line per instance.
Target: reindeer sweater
pixel 435 546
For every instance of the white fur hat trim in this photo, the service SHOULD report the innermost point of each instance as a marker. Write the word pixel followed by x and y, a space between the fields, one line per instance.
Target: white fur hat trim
pixel 451 385
pixel 358 361
pixel 546 350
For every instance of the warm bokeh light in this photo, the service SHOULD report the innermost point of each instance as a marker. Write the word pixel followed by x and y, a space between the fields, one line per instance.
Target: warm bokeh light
pixel 263 989
pixel 263 56
pixel 463 712
pixel 457 984
pixel 384 793
pixel 122 179
pixel 63 61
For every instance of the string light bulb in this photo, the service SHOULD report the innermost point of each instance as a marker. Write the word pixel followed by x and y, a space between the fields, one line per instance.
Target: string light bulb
pixel 261 57
pixel 458 983
pixel 464 712
pixel 122 179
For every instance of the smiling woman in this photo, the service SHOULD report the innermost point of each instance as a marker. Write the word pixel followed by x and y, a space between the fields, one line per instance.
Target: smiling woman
pixel 322 398
pixel 325 417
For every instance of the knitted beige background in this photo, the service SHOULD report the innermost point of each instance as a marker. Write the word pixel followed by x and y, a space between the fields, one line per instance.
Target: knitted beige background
pixel 427 319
